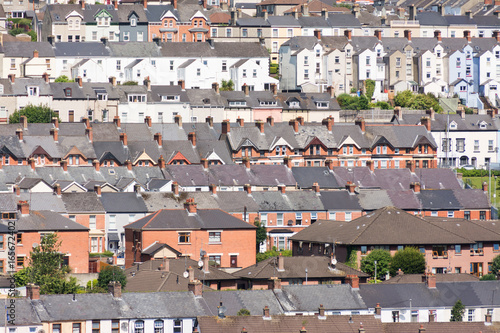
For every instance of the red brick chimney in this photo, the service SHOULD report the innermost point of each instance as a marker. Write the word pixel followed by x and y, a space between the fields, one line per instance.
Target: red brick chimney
pixel 210 121
pixel 485 187
pixel 329 123
pixel 248 188
pixel 415 186
pixel 116 4
pixel 205 163
pixel 32 291
pixel 321 311
pixel 408 35
pixel 148 121
pixel 246 162
pixel 79 80
pixel 12 78
pixel 350 187
pixel 97 165
pixel 295 124
pixel 329 164
pixel 281 263
pixel 317 34
pixel 55 121
pixel 287 160
pixel 117 121
pixel 192 138
pixel 128 164
pixel 300 120
pixel 145 3
pixel 467 35
pixel 158 138
pixel 23 207
pixel 353 280
pixel 266 312
pixel 175 188
pixel 370 165
pixel 24 121
pixel 246 89
pixel 57 190
pixel 398 112
pixel 496 35
pixel 178 120
pixel 282 189
pixel 35 54
pixel 115 289
pixel 240 122
pixel 161 162
pixel 123 139
pixel 226 126
pixel 182 84
pixel 361 123
pixel 190 205
pixel 378 34
pixel 82 2
pixel 315 187
pixel 213 189
pixel 431 281
pixel 46 77
pixel 273 283
pixel 260 125
pixel 378 310
pixel 17 190
pixel 426 121
pixel 274 89
pixel 437 35
pixel 270 121
pixel 98 190
pixel 55 134
pixel 19 133
pixel 64 164
pixel 216 88
pixel 90 134
pixel 348 34
pixel 31 162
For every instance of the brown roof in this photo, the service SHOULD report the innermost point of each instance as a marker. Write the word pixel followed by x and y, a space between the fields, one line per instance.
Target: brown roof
pixel 289 324
pixel 385 226
pixel 281 2
pixel 450 327
pixel 318 267
pixel 220 18
pixel 475 230
pixel 150 281
pixel 419 278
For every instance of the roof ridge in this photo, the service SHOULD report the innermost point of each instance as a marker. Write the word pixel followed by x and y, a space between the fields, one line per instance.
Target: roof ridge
pixel 370 223
pixel 151 219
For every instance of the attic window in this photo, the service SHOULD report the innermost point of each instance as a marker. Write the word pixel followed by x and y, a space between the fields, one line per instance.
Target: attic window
pixel 453 125
pixel 322 105
pixel 133 22
pixel 67 92
pixel 137 98
pixel 33 91
pixel 294 104
pixel 237 103
pixel 111 171
pixel 169 98
pixel 482 125
pixel 266 103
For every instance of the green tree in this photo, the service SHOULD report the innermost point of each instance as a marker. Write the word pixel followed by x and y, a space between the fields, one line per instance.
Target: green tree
pixel 261 233
pixel 457 312
pixel 63 78
pixel 383 259
pixel 46 268
pixel 35 114
pixel 111 273
pixel 403 99
pixel 130 83
pixel 243 312
pixel 370 88
pixel 273 253
pixel 227 85
pixel 363 103
pixel 495 266
pixel 409 260
pixel 488 277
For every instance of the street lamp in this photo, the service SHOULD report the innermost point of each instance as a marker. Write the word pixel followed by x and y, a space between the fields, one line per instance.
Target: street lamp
pixel 375 262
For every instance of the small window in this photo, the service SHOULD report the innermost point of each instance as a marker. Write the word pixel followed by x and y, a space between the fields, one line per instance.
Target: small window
pixel 214 237
pixel 184 237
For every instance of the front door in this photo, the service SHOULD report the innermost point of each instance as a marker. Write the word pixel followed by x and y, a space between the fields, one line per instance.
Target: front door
pixel 476 268
pixel 234 261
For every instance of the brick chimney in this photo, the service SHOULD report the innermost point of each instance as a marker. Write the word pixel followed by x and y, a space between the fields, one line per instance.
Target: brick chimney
pixel 98 190
pixel 123 139
pixel 161 162
pixel 206 265
pixel 210 121
pixel 196 287
pixel 55 134
pixel 353 280
pixel 64 165
pixel 175 188
pixel 426 121
pixel 57 190
pixel 111 79
pixel 350 187
pixel 295 124
pixel 19 133
pixel 487 319
pixel 23 207
pixel 361 123
pixel 17 190
pixel 378 34
pixel 86 121
pixel 282 189
pixel 421 329
pixel 128 164
pixel 317 34
pixel 246 162
pixel 412 166
pixel 82 2
pixel 178 120
pixel 303 330
pixel 270 120
pixel 267 315
pixel 437 35
pixel 46 77
pixel 485 187
pixel 248 188
pixel 216 88
pixel 32 291
pixel 287 160
pixel 12 78
pixel 300 120
pixel 35 54
pixel 408 35
pixel 192 138
pixel 274 89
pixel 246 89
pixel 117 121
pixel 331 91
pixel 329 123
pixel 226 126
pixel 348 34
pixel 115 289
pixel 137 189
pixel 415 186
pixel 461 112
pixel 467 35
pixel 316 188
pixel 148 121
pixel 158 138
pixel 79 80
pixel 145 4
pixel 432 317
pixel 24 121
pixel 240 122
pixel 329 164
pixel 378 310
pixel 431 113
pixel 31 162
pixel 496 35
pixel 281 263
pixel 398 112
pixel 213 189
pixel 204 162
pixel 55 121
pixel 97 165
pixel 190 205
pixel 260 125
pixel 431 281
pixel 321 312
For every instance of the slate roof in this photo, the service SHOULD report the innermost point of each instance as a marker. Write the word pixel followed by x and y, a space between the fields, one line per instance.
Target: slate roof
pixel 252 300
pixel 438 200
pixel 220 49
pixel 290 201
pixel 85 202
pixel 25 50
pixel 386 226
pixel 44 201
pixel 307 176
pixel 419 278
pixel 177 219
pixel 42 220
pixel 340 200
pixel 87 49
pixel 123 203
pixel 472 198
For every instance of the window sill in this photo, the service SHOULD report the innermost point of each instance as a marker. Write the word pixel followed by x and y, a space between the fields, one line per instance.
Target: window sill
pixel 183 243
pixel 214 243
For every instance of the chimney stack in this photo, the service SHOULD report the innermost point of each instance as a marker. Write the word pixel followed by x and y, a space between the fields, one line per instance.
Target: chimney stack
pixel 260 125
pixel 246 162
pixel 270 120
pixel 55 121
pixel 17 190
pixel 412 166
pixel 161 162
pixel 12 78
pixel 415 186
pixel 57 190
pixel 32 291
pixel 378 34
pixel 35 54
pixel 329 164
pixel 19 133
pixel 240 122
pixel 31 162
pixel 350 187
pixel 398 112
pixel 55 134
pixel 274 89
pixel 266 312
pixel 361 123
pixel 282 189
pixel 123 139
pixel 182 84
pixel 353 280
pixel 485 187
pixel 248 188
pixel 82 2
pixel 79 80
pixel 300 120
pixel 175 188
pixel 64 165
pixel 97 165
pixel 178 120
pixel 329 123
pixel 431 281
pixel 421 329
pixel 190 205
pixel 204 162
pixel 112 79
pixel 295 124
pixel 148 121
pixel 287 160
pixel 281 263
pixel 321 311
pixel 370 165
pixel 496 35
pixel 24 207
pixel 408 35
pixel 210 121
pixel 467 35
pixel 316 188
pixel 158 138
pixel 128 164
pixel 115 289
pixel 246 89
pixel 24 121
pixel 192 138
pixel 348 34
pixel 46 77
pixel 97 190
pixel 461 112
pixel 378 310
pixel 437 35
pixel 216 88
pixel 432 317
pixel 117 121
pixel 426 121
pixel 317 34
pixel 213 189
pixel 331 91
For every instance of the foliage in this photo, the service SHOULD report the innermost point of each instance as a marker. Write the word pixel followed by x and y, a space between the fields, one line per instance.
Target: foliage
pixel 383 259
pixel 243 312
pixel 468 110
pixel 227 85
pixel 352 257
pixel 273 68
pixel 381 105
pixel 273 253
pixel 408 99
pixel 111 273
pixel 130 83
pixel 409 260
pixel 353 90
pixel 348 102
pixel 46 268
pixel 21 277
pixel 16 31
pixel 261 233
pixel 488 277
pixel 35 114
pixel 495 265
pixel 102 254
pixel 63 78
pixel 477 172
pixel 93 287
pixel 33 35
pixel 457 312
pixel 370 88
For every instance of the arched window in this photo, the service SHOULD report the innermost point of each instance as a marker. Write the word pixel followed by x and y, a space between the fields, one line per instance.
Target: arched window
pixel 139 326
pixel 159 326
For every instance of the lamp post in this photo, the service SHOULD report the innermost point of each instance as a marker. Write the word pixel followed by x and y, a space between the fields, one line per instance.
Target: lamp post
pixel 375 262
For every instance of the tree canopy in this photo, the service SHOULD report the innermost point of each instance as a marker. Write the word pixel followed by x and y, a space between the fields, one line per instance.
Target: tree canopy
pixel 457 312
pixel 34 114
pixel 111 273
pixel 408 99
pixel 495 266
pixel 409 260
pixel 63 78
pixel 227 85
pixel 46 268
pixel 383 259
pixel 261 233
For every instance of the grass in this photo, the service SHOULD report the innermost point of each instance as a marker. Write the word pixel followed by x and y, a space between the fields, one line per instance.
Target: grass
pixel 477 182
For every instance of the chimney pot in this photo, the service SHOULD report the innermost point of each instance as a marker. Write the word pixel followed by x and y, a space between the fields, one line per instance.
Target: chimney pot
pixel 97 190
pixel 266 312
pixel 190 205
pixel 117 121
pixel 97 165
pixel 192 138
pixel 115 289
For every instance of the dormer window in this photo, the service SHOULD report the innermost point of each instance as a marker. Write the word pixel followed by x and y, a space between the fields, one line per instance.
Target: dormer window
pixel 453 125
pixel 322 105
pixel 103 21
pixel 133 22
pixel 67 92
pixel 33 91
pixel 137 98
pixel 237 103
pixel 268 103
pixel 102 97
pixel 169 98
pixel 482 125
pixel 294 105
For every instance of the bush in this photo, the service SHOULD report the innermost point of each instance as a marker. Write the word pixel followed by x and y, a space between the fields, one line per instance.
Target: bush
pixel 243 312
pixel 130 83
pixel 408 99
pixel 495 266
pixel 34 114
pixel 111 273
pixel 488 277
pixel 273 253
pixel 273 70
pixel 409 260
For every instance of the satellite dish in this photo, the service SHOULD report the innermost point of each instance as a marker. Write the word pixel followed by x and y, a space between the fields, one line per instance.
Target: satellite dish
pixel 185 274
pixel 334 261
pixel 124 326
pixel 203 253
pixel 35 245
pixel 356 189
pixel 200 263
